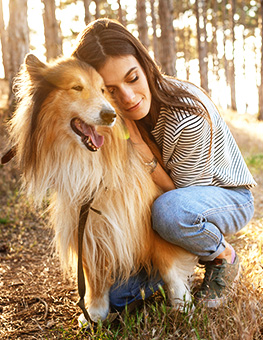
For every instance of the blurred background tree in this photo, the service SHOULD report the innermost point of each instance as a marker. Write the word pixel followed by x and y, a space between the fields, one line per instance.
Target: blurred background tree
pixel 216 44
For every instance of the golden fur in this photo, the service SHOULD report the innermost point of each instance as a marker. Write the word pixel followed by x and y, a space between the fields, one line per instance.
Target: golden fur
pixel 54 159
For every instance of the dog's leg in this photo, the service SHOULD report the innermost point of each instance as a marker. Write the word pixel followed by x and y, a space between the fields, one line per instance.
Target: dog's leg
pixel 97 297
pixel 175 265
pixel 177 281
pixel 98 307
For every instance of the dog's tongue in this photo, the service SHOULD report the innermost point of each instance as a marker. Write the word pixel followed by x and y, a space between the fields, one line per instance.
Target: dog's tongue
pixel 90 131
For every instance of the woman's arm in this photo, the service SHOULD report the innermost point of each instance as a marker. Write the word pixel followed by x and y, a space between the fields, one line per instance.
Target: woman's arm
pixel 160 177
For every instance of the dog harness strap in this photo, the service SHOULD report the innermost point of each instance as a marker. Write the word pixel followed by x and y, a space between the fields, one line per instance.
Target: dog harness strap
pixel 83 215
pixel 8 155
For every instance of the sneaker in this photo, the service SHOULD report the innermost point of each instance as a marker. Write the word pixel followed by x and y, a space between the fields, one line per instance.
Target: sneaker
pixel 219 277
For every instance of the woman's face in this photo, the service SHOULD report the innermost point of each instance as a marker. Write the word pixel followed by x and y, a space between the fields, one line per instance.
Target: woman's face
pixel 128 86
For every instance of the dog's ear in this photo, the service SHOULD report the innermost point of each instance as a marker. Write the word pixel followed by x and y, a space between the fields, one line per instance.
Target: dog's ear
pixel 34 66
pixel 32 61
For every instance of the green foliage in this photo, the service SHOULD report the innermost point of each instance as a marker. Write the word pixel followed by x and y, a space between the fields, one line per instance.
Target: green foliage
pixel 255 162
pixel 4 220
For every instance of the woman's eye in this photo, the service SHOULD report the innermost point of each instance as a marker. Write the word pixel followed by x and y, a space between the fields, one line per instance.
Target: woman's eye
pixel 77 88
pixel 111 90
pixel 134 79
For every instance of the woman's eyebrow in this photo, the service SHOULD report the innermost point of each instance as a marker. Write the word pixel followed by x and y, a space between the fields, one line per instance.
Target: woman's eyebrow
pixel 126 75
pixel 130 71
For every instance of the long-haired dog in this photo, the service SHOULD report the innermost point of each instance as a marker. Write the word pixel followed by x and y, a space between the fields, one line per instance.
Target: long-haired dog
pixel 61 122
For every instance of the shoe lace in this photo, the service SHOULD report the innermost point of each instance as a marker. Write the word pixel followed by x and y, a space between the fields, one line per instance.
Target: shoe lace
pixel 214 273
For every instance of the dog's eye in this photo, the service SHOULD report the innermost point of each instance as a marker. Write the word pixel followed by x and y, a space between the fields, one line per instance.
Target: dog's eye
pixel 77 88
pixel 102 90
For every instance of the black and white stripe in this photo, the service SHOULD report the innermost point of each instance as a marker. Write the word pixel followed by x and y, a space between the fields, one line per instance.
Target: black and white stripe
pixel 185 138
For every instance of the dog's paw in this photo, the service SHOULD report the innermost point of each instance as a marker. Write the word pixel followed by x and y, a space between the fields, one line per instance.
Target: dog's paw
pixel 98 312
pixel 85 325
pixel 82 322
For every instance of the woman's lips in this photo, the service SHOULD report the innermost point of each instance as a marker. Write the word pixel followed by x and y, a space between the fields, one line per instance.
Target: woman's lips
pixel 135 107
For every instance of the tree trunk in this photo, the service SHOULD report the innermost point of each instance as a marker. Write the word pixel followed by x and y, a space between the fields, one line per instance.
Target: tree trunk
pixel 224 25
pixel 142 22
pixel 187 56
pixel 260 113
pixel 18 39
pixel 121 15
pixel 167 41
pixel 97 15
pixel 87 12
pixel 243 25
pixel 4 43
pixel 214 42
pixel 186 35
pixel 53 40
pixel 154 35
pixel 232 61
pixel 202 44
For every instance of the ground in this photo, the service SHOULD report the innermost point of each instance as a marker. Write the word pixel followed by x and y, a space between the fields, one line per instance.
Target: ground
pixel 38 302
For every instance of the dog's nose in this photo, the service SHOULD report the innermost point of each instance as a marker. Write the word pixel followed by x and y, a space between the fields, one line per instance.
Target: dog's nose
pixel 108 115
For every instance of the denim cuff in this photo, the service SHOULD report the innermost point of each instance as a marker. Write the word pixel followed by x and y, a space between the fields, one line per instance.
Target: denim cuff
pixel 220 249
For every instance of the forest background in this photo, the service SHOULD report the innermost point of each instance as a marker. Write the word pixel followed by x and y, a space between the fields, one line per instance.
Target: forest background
pixel 213 43
pixel 216 44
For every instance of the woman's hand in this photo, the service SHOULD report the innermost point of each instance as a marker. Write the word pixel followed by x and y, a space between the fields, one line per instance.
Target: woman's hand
pixel 160 177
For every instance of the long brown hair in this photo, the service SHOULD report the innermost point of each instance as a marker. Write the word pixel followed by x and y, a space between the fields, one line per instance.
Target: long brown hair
pixel 104 38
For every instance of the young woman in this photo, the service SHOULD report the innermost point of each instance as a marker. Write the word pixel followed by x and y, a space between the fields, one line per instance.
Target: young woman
pixel 191 155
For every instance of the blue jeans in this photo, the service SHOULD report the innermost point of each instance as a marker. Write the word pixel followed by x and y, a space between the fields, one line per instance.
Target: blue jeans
pixel 195 218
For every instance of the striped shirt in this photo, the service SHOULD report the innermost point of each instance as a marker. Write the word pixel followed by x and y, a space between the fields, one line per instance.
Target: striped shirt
pixel 188 152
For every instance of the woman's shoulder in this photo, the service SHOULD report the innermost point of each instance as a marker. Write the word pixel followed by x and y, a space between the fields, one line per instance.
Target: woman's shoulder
pixel 176 119
pixel 199 93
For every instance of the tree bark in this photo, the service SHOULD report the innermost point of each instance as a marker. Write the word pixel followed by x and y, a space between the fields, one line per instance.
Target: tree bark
pixel 224 25
pixel 167 41
pixel 187 53
pixel 4 43
pixel 18 40
pixel 214 42
pixel 260 113
pixel 232 61
pixel 142 22
pixel 121 15
pixel 200 6
pixel 154 35
pixel 97 15
pixel 87 18
pixel 53 39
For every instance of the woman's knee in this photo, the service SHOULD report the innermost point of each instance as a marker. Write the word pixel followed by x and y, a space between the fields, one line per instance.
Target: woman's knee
pixel 167 216
pixel 169 211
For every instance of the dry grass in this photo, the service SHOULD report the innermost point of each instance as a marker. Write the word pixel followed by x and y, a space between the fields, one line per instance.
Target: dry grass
pixel 37 302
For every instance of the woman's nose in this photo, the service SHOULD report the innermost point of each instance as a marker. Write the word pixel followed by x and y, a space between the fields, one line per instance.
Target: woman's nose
pixel 127 95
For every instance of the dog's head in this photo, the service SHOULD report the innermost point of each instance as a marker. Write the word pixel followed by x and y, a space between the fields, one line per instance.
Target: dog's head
pixel 76 91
